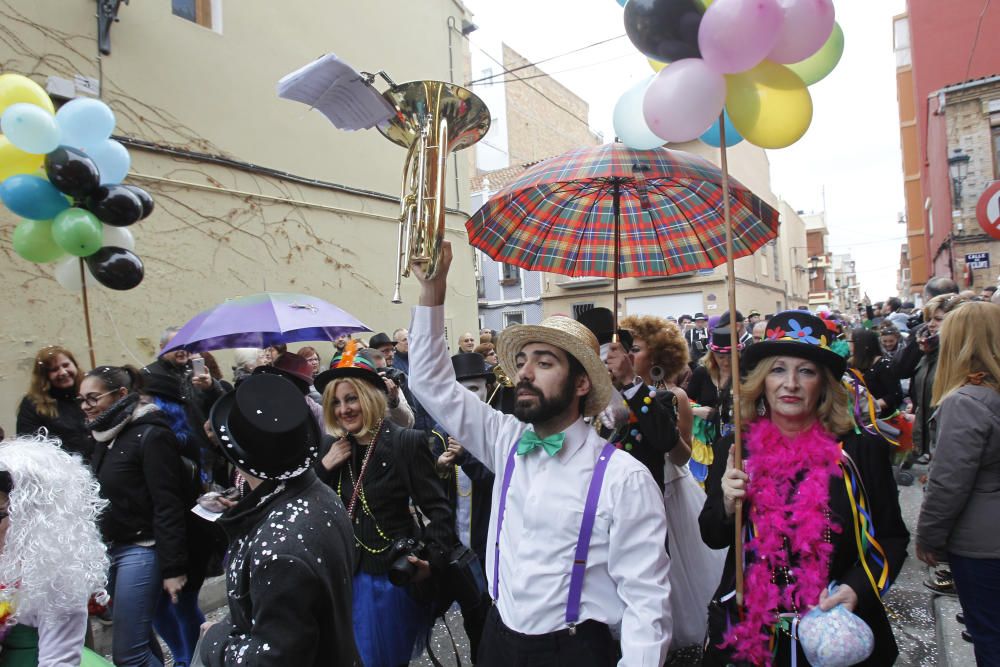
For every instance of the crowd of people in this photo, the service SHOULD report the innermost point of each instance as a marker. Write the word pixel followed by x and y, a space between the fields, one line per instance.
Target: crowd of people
pixel 572 487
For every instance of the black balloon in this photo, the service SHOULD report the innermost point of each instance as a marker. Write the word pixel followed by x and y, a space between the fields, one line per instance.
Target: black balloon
pixel 664 30
pixel 116 268
pixel 72 172
pixel 145 198
pixel 115 205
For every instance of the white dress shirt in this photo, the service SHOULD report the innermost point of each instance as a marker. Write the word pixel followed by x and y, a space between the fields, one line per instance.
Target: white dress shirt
pixel 625 585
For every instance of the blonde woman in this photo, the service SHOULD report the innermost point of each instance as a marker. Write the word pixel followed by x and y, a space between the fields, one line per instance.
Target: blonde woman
pixel 376 467
pixel 801 487
pixel 962 499
pixel 51 401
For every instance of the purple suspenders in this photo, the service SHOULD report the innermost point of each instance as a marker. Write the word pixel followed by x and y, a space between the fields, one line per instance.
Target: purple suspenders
pixel 583 541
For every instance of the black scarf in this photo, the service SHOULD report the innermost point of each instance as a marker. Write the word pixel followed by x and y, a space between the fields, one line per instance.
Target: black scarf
pixel 119 412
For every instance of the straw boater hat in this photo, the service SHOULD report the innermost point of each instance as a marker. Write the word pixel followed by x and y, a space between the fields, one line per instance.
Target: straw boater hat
pixel 568 335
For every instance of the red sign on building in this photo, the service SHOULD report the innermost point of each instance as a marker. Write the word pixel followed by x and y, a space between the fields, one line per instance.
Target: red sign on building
pixel 988 210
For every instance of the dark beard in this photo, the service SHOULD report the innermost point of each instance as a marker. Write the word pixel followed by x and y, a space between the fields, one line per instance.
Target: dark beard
pixel 546 408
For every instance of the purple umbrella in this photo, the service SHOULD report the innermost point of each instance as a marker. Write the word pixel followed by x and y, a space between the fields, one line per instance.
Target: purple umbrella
pixel 260 320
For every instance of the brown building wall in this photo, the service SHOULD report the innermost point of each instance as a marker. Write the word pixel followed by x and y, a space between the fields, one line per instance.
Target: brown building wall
pixel 543 117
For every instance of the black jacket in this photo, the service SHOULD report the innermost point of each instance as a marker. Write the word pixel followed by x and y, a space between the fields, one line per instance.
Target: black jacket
pixel 655 429
pixel 871 454
pixel 482 490
pixel 401 468
pixel 67 425
pixel 289 580
pixel 882 383
pixel 142 477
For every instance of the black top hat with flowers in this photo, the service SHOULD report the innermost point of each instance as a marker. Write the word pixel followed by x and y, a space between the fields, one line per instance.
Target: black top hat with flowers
pixel 266 429
pixel 352 364
pixel 797 333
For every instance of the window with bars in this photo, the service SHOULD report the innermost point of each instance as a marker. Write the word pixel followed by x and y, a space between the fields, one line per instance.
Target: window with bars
pixel 510 274
pixel 512 317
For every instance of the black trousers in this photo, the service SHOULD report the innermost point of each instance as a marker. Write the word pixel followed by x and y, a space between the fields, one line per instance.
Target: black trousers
pixel 591 646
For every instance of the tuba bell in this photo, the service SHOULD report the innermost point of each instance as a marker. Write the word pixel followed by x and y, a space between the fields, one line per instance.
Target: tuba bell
pixel 432 120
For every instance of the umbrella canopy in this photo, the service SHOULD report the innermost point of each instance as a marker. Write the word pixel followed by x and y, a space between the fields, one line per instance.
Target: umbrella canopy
pixel 559 216
pixel 260 320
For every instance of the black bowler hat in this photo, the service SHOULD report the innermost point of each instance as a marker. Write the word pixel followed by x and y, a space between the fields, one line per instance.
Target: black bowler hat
pixel 380 340
pixel 470 366
pixel 265 428
pixel 797 333
pixel 601 322
pixel 700 316
pixel 720 340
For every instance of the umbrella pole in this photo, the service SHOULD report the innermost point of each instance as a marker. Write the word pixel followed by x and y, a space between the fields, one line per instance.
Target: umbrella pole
pixel 616 207
pixel 734 343
pixel 86 314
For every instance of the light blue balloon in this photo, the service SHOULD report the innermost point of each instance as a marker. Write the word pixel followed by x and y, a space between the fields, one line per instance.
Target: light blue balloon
pixel 31 128
pixel 629 123
pixel 32 197
pixel 112 160
pixel 713 137
pixel 85 123
pixel 622 2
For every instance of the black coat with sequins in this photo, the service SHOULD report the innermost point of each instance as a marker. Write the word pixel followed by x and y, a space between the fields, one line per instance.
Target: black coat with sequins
pixel 289 580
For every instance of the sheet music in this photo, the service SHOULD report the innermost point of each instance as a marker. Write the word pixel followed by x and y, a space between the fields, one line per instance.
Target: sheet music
pixel 338 91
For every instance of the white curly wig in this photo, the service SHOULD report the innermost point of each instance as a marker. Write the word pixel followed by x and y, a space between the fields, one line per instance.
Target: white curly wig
pixel 53 552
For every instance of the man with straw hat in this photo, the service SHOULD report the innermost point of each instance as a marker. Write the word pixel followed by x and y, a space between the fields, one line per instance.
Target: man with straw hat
pixel 576 563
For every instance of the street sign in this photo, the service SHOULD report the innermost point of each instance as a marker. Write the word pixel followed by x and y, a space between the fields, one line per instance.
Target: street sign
pixel 988 210
pixel 977 260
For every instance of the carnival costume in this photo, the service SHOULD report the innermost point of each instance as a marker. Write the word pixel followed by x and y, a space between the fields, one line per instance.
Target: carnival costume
pixel 291 554
pixel 44 586
pixel 376 484
pixel 818 509
pixel 577 532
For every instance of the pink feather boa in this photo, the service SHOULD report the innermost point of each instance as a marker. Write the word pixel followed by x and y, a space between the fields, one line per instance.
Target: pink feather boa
pixel 784 510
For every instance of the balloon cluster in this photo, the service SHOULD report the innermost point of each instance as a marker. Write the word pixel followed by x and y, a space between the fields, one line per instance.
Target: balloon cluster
pixel 751 60
pixel 62 173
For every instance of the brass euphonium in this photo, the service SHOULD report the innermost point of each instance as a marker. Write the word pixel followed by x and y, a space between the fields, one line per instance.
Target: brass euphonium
pixel 433 119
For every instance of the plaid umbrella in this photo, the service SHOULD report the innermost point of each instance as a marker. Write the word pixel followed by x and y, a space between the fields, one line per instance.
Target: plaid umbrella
pixel 561 215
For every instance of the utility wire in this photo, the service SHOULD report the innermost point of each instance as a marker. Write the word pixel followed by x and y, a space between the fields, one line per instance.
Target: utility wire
pixel 975 41
pixel 562 71
pixel 539 62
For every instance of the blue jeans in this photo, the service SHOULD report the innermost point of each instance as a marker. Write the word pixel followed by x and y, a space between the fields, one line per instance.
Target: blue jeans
pixel 977 581
pixel 135 586
pixel 179 624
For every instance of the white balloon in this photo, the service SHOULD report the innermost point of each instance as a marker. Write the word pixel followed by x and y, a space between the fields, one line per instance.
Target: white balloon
pixel 67 274
pixel 629 123
pixel 118 237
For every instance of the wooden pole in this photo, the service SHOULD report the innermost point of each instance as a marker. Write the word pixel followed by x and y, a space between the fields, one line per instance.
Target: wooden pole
pixel 734 340
pixel 616 207
pixel 86 314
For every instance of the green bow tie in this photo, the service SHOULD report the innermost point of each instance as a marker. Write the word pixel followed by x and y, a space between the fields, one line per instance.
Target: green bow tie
pixel 530 440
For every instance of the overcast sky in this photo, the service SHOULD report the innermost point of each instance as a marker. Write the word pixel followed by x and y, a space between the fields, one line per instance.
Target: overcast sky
pixel 851 151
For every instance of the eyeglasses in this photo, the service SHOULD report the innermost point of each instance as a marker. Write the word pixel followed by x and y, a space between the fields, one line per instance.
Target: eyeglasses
pixel 90 400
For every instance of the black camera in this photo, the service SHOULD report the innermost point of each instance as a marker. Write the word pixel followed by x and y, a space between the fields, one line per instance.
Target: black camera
pixel 394 374
pixel 402 570
pixel 915 320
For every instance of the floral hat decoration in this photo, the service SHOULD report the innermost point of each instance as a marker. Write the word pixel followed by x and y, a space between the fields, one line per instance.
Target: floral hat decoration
pixel 797 333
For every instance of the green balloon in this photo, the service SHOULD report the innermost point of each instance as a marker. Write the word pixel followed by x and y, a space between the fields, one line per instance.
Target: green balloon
pixel 33 241
pixel 818 65
pixel 78 232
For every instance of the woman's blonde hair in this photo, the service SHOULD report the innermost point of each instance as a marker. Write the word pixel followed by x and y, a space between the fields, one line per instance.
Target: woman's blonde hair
pixel 373 406
pixel 711 362
pixel 664 339
pixel 38 390
pixel 945 302
pixel 970 343
pixel 831 410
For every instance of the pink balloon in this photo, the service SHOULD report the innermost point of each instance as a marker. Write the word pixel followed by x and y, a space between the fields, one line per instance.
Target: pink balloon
pixel 736 35
pixel 684 100
pixel 807 26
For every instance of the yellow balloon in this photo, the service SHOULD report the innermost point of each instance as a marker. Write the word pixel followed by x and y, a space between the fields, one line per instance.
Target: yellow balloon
pixel 15 161
pixel 16 88
pixel 656 64
pixel 769 105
